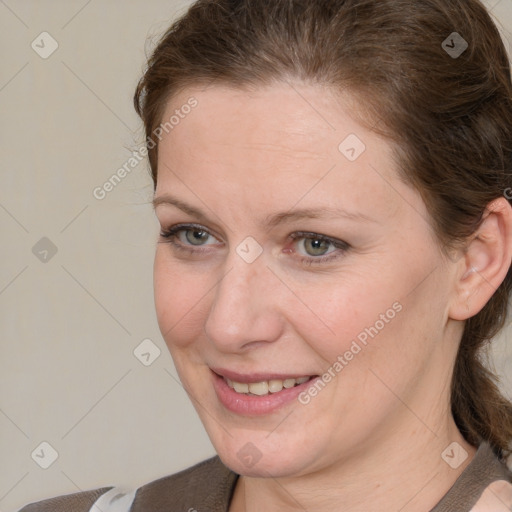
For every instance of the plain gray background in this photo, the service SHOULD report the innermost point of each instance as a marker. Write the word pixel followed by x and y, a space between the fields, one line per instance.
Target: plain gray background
pixel 76 276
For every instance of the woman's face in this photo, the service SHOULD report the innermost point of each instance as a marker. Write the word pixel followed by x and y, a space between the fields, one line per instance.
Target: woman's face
pixel 302 255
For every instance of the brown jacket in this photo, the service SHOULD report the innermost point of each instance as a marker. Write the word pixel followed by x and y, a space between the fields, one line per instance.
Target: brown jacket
pixel 208 486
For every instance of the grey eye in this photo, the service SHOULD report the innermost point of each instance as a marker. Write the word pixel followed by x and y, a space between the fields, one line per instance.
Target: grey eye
pixel 316 247
pixel 196 236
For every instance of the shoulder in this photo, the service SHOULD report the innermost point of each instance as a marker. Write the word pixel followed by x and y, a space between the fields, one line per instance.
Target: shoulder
pixel 484 475
pixel 207 485
pixel 77 502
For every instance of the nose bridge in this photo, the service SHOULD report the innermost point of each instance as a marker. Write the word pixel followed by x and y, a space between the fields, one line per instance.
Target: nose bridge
pixel 243 310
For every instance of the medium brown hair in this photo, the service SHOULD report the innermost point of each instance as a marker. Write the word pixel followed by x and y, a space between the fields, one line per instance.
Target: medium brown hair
pixel 448 117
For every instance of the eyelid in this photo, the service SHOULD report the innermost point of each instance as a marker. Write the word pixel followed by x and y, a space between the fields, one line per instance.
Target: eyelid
pixel 185 227
pixel 170 234
pixel 340 244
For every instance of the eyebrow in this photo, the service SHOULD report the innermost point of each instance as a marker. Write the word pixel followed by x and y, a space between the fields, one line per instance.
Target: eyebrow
pixel 274 219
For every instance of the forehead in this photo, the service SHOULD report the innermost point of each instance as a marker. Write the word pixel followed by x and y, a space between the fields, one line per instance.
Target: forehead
pixel 300 118
pixel 282 143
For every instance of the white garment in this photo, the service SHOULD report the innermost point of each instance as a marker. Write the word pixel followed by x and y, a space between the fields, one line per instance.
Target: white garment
pixel 115 500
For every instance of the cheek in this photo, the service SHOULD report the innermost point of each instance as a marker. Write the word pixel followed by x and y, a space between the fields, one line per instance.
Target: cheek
pixel 346 308
pixel 371 320
pixel 180 295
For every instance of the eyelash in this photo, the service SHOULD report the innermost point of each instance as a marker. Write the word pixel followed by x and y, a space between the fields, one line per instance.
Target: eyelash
pixel 170 235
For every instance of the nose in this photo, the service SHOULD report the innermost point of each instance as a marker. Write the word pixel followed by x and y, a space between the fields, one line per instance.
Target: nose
pixel 245 309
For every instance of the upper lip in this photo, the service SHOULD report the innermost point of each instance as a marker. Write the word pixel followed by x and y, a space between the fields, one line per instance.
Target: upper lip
pixel 256 376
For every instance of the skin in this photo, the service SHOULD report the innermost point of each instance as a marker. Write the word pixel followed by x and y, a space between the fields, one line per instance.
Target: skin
pixel 240 156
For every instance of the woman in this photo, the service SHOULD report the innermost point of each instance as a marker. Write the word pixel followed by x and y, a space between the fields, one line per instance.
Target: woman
pixel 331 183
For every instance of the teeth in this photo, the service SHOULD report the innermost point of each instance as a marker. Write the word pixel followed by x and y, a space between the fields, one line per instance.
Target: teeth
pixel 288 383
pixel 259 388
pixel 241 387
pixel 274 386
pixel 264 387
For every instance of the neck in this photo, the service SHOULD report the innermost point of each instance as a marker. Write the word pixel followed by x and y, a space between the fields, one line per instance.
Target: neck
pixel 404 472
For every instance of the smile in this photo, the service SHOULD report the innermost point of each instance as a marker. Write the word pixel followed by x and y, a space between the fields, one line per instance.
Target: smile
pixel 258 393
pixel 266 386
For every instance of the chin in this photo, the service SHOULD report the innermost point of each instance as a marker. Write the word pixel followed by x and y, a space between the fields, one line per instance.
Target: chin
pixel 271 467
pixel 260 456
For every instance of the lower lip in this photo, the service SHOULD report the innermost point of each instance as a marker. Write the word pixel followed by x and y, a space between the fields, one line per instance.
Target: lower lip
pixel 253 405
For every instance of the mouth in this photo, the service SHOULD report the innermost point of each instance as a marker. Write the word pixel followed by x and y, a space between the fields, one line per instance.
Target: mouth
pixel 265 387
pixel 258 394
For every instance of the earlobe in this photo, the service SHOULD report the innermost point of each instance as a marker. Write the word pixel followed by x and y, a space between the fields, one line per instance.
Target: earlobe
pixel 485 263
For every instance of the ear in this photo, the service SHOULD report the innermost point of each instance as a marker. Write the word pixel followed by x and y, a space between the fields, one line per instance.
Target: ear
pixel 485 263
